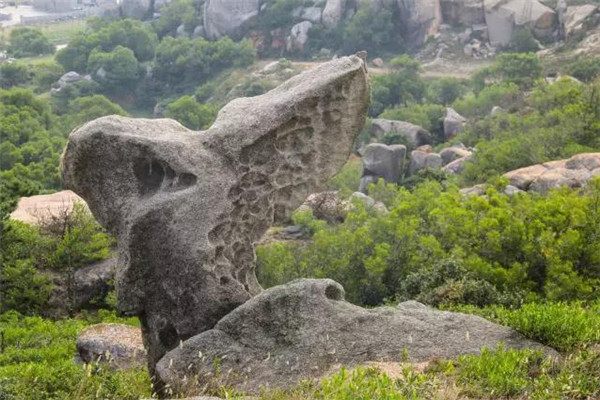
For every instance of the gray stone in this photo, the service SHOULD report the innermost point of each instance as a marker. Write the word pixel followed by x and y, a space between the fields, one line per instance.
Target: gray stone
pixel 576 16
pixel 228 17
pixel 504 17
pixel 414 134
pixel 368 202
pixel 180 32
pixel 305 329
pixel 93 282
pixel 497 110
pixel 420 19
pixel 186 206
pixel 420 160
pixel 453 153
pixel 382 161
pixel 454 123
pixel 117 344
pixel 312 14
pixel 333 12
pixel 456 166
pixel 298 36
pixel 199 31
pixel 327 206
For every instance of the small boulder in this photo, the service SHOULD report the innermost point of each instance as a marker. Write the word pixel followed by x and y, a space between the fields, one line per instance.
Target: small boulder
pixel 457 166
pixel 327 206
pixel 382 161
pixel 496 110
pixel 378 62
pixel 298 36
pixel 35 209
pixel 420 160
pixel 453 153
pixel 368 202
pixel 413 134
pixel 118 345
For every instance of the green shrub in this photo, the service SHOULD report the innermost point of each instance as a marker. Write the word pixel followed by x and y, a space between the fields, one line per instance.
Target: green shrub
pixel 27 42
pixel 560 325
pixel 500 372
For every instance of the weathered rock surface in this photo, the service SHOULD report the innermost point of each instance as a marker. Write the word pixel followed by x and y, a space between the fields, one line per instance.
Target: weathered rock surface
pixel 575 17
pixel 574 173
pixel 93 282
pixel 228 17
pixel 298 36
pixel 454 123
pixel 117 344
pixel 328 206
pixel 504 17
pixel 453 153
pixel 333 12
pixel 303 329
pixel 414 134
pixel 34 209
pixel 420 19
pixel 382 161
pixel 187 206
pixel 420 160
pixel 457 166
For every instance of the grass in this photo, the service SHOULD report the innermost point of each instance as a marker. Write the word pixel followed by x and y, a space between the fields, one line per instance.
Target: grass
pixel 37 363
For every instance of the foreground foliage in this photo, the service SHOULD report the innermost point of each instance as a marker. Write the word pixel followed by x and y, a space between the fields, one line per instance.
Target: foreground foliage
pixel 37 363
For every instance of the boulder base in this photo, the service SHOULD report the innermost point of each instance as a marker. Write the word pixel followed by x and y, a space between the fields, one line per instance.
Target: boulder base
pixel 305 329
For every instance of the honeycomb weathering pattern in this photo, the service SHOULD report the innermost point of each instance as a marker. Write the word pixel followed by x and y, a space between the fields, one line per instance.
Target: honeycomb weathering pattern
pixel 187 206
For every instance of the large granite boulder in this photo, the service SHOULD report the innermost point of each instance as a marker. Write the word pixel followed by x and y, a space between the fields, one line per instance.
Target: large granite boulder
pixel 304 329
pixel 116 344
pixel 504 17
pixel 576 16
pixel 228 17
pixel 382 161
pixel 420 19
pixel 413 134
pixel 187 207
pixel 333 12
pixel 35 209
pixel 574 172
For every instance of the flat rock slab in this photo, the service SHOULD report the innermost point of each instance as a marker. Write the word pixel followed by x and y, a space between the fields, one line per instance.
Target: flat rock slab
pixel 34 209
pixel 118 344
pixel 305 329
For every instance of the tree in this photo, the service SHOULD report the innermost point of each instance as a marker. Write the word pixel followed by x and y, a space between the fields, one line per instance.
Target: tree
pixel 371 30
pixel 192 114
pixel 27 42
pixel 173 15
pixel 523 69
pixel 84 109
pixel 13 74
pixel 117 70
pixel 585 69
pixel 445 90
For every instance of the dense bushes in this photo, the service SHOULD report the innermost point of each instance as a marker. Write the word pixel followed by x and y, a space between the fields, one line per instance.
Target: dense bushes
pixel 444 248
pixel 29 254
pixel 27 42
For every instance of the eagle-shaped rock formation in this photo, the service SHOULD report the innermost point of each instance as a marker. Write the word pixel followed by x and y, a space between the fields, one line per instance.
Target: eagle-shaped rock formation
pixel 188 206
